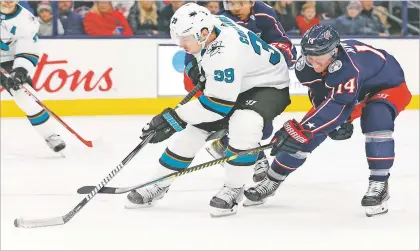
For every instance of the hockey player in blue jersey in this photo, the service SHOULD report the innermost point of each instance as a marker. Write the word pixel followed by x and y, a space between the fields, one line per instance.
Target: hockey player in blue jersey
pixel 346 80
pixel 261 19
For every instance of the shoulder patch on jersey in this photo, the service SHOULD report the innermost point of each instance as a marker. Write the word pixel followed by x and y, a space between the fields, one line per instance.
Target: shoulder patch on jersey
pixel 300 64
pixel 215 48
pixel 335 66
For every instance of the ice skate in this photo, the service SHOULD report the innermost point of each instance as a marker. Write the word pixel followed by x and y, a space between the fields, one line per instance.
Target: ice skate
pixel 260 169
pixel 55 143
pixel 146 196
pixel 375 199
pixel 259 194
pixel 225 202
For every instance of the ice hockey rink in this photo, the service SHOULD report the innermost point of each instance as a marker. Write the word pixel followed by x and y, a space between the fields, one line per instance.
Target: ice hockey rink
pixel 318 207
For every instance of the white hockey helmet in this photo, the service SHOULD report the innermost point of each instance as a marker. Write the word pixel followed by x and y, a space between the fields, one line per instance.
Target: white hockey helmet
pixel 188 22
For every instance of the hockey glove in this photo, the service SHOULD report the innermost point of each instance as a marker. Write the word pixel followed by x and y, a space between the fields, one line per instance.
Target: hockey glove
pixel 13 80
pixel 164 125
pixel 285 49
pixel 193 72
pixel 343 132
pixel 290 138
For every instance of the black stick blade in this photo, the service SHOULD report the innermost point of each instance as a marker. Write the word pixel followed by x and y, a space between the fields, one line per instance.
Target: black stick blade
pixel 89 189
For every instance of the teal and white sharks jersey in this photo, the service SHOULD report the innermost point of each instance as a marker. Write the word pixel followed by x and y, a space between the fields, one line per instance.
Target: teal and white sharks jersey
pixel 235 61
pixel 19 39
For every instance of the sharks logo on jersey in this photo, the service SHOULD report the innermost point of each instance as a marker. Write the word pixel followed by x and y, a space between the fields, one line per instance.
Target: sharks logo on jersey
pixel 215 48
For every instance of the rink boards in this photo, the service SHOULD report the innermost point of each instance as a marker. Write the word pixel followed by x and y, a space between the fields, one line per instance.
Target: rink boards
pixel 143 76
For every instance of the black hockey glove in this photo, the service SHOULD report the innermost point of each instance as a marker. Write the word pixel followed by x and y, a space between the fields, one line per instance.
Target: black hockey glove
pixel 165 125
pixel 193 72
pixel 345 131
pixel 290 138
pixel 16 77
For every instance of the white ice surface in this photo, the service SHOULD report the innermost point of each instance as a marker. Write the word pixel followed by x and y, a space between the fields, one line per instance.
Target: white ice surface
pixel 317 208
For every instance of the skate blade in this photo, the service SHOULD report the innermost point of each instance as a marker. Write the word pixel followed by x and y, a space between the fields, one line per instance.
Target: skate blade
pixel 217 212
pixel 138 206
pixel 61 153
pixel 376 210
pixel 250 203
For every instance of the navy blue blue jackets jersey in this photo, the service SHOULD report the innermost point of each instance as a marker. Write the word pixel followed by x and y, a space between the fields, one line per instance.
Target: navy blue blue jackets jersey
pixel 359 70
pixel 263 21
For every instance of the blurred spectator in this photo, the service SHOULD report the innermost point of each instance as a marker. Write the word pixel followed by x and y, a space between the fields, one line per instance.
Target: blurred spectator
pixel 123 6
pixel 82 11
pixel 84 3
pixel 380 12
pixel 103 20
pixel 308 18
pixel 373 20
pixel 353 23
pixel 72 22
pixel 166 15
pixel 45 18
pixel 25 5
pixel 143 18
pixel 212 6
pixel 286 12
pixel 331 9
pixel 160 5
pixel 350 23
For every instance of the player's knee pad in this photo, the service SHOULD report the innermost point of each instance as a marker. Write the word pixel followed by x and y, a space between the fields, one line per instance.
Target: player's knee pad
pixel 245 129
pixel 285 163
pixel 183 148
pixel 245 132
pixel 377 116
pixel 380 149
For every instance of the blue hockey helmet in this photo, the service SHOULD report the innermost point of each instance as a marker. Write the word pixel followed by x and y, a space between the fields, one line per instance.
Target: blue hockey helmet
pixel 319 40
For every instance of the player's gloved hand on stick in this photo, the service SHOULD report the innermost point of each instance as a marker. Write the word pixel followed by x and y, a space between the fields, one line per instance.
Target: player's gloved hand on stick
pixel 345 131
pixel 290 138
pixel 193 72
pixel 16 77
pixel 165 125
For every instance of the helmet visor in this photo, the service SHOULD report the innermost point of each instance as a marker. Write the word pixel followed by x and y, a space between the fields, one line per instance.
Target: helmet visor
pixel 319 59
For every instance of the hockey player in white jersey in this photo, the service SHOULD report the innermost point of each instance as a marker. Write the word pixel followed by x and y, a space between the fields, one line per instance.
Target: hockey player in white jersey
pixel 246 86
pixel 19 56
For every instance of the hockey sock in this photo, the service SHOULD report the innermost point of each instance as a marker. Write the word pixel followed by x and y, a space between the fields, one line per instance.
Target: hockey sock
pixel 171 162
pixel 174 161
pixel 239 170
pixel 380 154
pixel 284 164
pixel 38 117
pixel 246 160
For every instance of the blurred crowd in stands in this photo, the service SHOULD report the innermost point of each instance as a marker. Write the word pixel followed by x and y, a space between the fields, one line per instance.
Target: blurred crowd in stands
pixel 128 18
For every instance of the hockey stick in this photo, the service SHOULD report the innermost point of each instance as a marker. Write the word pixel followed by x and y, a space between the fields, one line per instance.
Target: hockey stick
pixel 120 190
pixel 88 143
pixel 61 220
